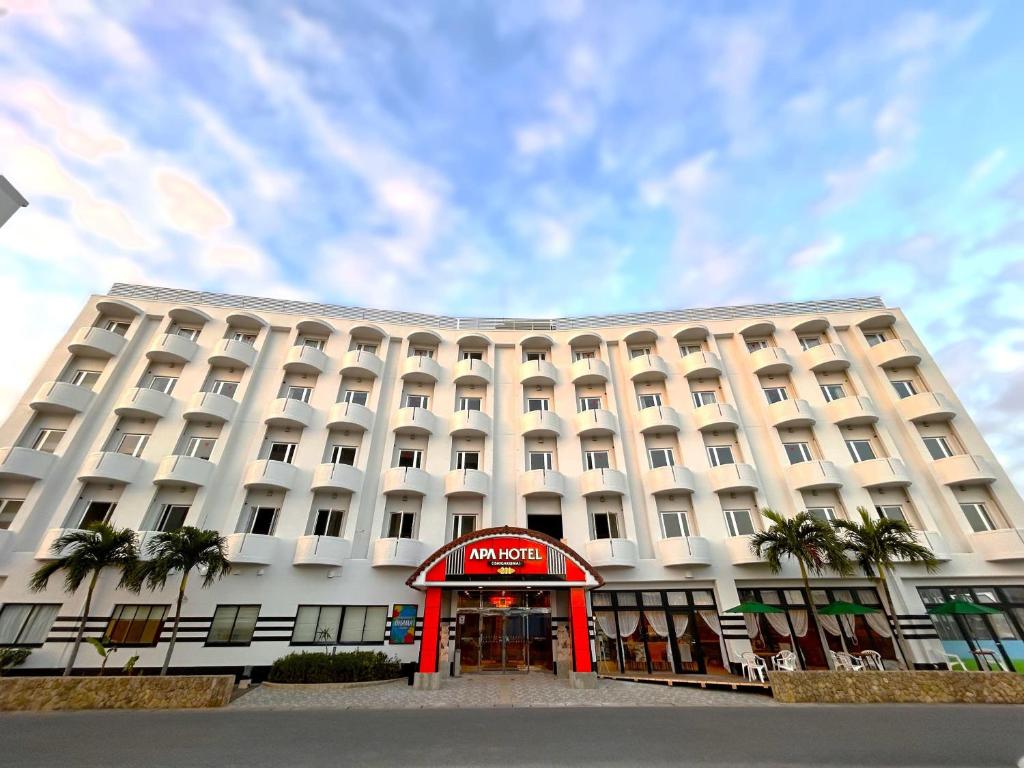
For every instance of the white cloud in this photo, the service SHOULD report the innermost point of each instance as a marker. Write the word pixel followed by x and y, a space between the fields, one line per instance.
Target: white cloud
pixel 986 166
pixel 817 252
pixel 188 205
pixel 688 181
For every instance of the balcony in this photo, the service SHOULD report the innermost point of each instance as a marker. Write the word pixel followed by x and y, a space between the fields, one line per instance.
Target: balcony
pixel 251 548
pixel 733 478
pixel 45 549
pixel 715 417
pixel 413 421
pixel 926 406
pixel 589 370
pixel 770 361
pixel 326 551
pixel 895 353
pixel 965 469
pixel 209 406
pixel 360 364
pixel 307 360
pixel 270 475
pixel 337 477
pixel 172 348
pixel 288 412
pixel 233 354
pixel 469 424
pixel 409 480
pixel 813 475
pixel 466 482
pixel 851 410
pixel 398 553
pixel 110 467
pixel 648 368
pixel 612 553
pixel 602 482
pixel 144 403
pixel 738 549
pixel 686 551
pixel 537 373
pixel 1000 544
pixel 935 542
pixel 659 418
pixel 421 369
pixel 700 365
pixel 669 480
pixel 790 413
pixel 184 470
pixel 473 373
pixel 596 421
pixel 350 416
pixel 826 357
pixel 540 424
pixel 25 464
pixel 881 473
pixel 96 342
pixel 61 397
pixel 542 482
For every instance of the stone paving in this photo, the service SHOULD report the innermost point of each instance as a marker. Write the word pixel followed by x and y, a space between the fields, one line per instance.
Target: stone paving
pixel 476 691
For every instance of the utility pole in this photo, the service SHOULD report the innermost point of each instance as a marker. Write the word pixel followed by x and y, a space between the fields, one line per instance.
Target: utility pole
pixel 10 200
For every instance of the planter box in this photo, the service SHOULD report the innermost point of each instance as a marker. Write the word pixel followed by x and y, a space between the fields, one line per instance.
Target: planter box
pixel 897 687
pixel 24 694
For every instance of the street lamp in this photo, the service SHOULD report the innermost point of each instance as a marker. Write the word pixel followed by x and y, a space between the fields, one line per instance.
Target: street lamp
pixel 10 200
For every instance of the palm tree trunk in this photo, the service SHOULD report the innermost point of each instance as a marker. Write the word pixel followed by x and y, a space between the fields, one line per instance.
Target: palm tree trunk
pixel 177 621
pixel 901 641
pixel 81 625
pixel 814 613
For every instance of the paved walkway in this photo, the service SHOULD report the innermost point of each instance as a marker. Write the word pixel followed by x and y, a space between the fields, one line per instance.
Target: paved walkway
pixel 475 691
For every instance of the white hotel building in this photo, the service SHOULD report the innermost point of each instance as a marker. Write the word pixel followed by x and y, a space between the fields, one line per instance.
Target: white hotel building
pixel 341 451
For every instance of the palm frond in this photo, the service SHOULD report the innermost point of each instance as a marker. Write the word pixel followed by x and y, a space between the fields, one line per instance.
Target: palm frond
pixel 81 553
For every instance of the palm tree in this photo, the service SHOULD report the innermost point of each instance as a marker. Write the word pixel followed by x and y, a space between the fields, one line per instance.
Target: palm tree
pixel 84 554
pixel 876 545
pixel 181 551
pixel 811 542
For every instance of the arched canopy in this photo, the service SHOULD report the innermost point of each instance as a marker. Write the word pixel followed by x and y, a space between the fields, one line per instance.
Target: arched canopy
pixel 755 330
pixel 641 336
pixel 189 315
pixel 428 338
pixel 585 340
pixel 474 340
pixel 877 321
pixel 537 340
pixel 367 331
pixel 814 325
pixel 117 308
pixel 691 333
pixel 246 321
pixel 315 327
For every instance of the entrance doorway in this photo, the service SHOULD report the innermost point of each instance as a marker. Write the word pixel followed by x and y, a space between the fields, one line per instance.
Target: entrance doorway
pixel 506 631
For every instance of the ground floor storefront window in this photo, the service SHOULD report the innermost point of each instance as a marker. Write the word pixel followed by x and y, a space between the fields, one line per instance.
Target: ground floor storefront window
pixel 1000 633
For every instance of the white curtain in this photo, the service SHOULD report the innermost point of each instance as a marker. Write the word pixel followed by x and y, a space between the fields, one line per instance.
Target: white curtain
pixel 777 621
pixel 606 620
pixel 848 626
pixel 879 624
pixel 658 621
pixel 753 628
pixel 682 621
pixel 799 621
pixel 830 624
pixel 12 620
pixel 711 619
pixel 628 622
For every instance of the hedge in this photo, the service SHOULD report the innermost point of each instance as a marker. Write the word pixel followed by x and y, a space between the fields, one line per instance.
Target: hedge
pixel 354 667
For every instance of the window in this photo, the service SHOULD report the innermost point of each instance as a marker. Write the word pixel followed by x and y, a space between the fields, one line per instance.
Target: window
pixel 96 512
pixel 410 457
pixel 661 457
pixel 904 388
pixel 860 450
pixel 200 447
pixel 938 447
pixel 467 460
pixel 87 379
pixel 689 349
pixel 328 522
pixel 595 459
pixel 421 352
pixel 244 338
pixel 187 333
pixel 775 394
pixel 163 384
pixel 468 355
pixel 363 624
pixel 463 524
pixel 833 392
pixel 537 404
pixel 809 342
pixel 117 326
pixel 400 525
pixel 261 521
pixel 650 401
pixel 132 444
pixel 825 514
pixel 540 460
pixel 299 393
pixel 639 351
pixel 797 452
pixel 343 454
pixel 470 403
pixel 674 525
pixel 535 356
pixel 703 398
pixel 365 347
pixel 282 452
pixel 416 401
pixel 317 625
pixel 172 517
pixel 738 522
pixel 313 343
pixel 26 624
pixel 720 454
pixel 754 346
pixel 891 512
pixel 978 517
pixel 226 388
pixel 136 624
pixel 874 339
pixel 577 356
pixel 48 439
pixel 590 403
pixel 8 511
pixel 606 525
pixel 233 625
pixel 355 396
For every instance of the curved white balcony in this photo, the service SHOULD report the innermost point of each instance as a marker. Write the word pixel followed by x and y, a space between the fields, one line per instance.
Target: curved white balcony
pixel 361 364
pixel 466 482
pixel 326 551
pixel 473 372
pixel 733 478
pixel 469 424
pixel 537 373
pixel 96 342
pixel 895 353
pixel 715 417
pixel 926 406
pixel 935 541
pixel 397 553
pixel 233 354
pixel 659 418
pixel 596 421
pixel 209 406
pixel 851 410
pixel 998 545
pixel 308 360
pixel 612 553
pixel 61 397
pixel 827 357
pixel 405 480
pixel 350 416
pixel 337 477
pixel 25 463
pixel 270 474
pixel 542 482
pixel 686 551
pixel 813 475
pixel 45 549
pixel 589 370
pixel 673 479
pixel 172 348
pixel 601 482
pixel 881 473
pixel 700 365
pixel 144 403
pixel 110 467
pixel 251 548
pixel 288 412
pixel 738 549
pixel 184 470
pixel 413 421
pixel 965 469
pixel 419 368
pixel 648 368
pixel 770 361
pixel 540 424
pixel 790 413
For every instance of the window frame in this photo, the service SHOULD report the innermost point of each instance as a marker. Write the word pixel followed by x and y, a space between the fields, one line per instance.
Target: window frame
pixel 461 456
pixel 88 505
pixel 979 508
pixel 611 522
pixel 6 515
pixel 220 384
pixel 166 510
pixel 404 514
pixel 333 515
pixel 583 403
pixel 417 456
pixel 803 448
pixel 712 453
pixel 423 401
pixel 19 642
pixel 350 395
pixel 116 617
pixel 234 625
pixel 826 393
pixel 850 443
pixel 457 527
pixel 941 442
pixel 289 451
pixel 79 376
pixel 549 462
pixel 140 443
pixel 654 396
pixel 904 388
pixel 168 388
pixel 338 449
pixel 782 393
pixel 683 520
pixel 592 458
pixel 698 397
pixel 668 453
pixel 304 393
pixel 730 521
pixel 544 401
pixel 43 435
pixel 465 400
pixel 254 511
pixel 194 442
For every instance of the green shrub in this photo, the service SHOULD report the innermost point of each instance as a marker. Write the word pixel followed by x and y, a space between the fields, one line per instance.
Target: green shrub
pixel 12 657
pixel 355 667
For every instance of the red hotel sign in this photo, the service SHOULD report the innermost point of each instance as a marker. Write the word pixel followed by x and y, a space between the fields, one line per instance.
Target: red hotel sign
pixel 505 556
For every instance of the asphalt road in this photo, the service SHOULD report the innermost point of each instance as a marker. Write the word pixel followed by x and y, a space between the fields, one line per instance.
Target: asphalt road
pixel 722 736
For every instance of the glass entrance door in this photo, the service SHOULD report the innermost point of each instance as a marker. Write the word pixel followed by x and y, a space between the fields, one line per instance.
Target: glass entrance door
pixel 504 645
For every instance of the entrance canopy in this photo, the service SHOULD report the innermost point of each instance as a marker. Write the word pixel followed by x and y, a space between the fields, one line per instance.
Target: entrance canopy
pixel 505 557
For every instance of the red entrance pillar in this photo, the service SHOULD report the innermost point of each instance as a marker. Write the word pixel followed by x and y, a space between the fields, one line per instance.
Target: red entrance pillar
pixel 580 631
pixel 431 631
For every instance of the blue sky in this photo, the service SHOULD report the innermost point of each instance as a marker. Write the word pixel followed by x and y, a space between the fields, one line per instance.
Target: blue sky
pixel 526 158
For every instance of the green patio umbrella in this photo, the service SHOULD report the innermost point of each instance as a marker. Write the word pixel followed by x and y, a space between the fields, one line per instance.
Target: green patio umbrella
pixel 842 608
pixel 754 607
pixel 960 608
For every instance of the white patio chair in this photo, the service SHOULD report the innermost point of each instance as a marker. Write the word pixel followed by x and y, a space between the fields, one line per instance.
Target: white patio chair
pixel 758 670
pixel 953 661
pixel 844 662
pixel 785 661
pixel 872 660
pixel 746 662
